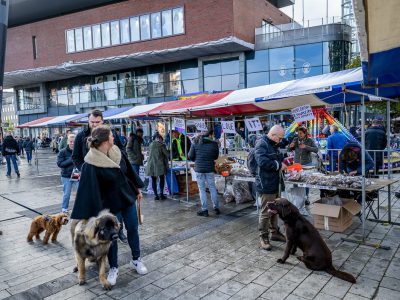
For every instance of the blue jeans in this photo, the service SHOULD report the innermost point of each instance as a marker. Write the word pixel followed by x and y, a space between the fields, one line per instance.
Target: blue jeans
pixel 136 168
pixel 129 216
pixel 28 155
pixel 67 187
pixel 12 158
pixel 202 178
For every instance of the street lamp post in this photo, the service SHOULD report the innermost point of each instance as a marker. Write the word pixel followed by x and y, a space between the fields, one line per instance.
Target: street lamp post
pixel 4 5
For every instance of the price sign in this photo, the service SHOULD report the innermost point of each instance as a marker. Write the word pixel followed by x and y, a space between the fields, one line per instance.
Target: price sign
pixel 179 123
pixel 302 113
pixel 228 126
pixel 253 124
pixel 201 125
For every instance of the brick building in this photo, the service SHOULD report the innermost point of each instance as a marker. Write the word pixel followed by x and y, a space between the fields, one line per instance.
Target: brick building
pixel 106 54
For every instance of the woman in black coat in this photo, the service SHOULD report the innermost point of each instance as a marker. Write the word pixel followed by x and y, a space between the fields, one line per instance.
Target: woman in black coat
pixel 108 182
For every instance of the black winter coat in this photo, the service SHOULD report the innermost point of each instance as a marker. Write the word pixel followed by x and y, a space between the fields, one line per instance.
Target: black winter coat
pixel 81 147
pixel 204 153
pixel 28 145
pixel 10 146
pixel 375 138
pixel 107 182
pixel 269 161
pixel 64 161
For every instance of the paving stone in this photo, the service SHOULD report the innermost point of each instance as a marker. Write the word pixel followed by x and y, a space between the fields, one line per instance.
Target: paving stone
pixel 297 274
pixel 4 294
pixel 86 295
pixel 248 275
pixel 271 276
pixel 336 287
pixel 390 283
pixel 311 286
pixel 173 291
pixel 365 287
pixel 387 294
pixel 280 290
pixel 231 287
pixel 144 293
pixel 174 277
pixel 68 293
pixel 250 291
pixel 350 296
pixel 216 295
pixel 200 275
pixel 375 268
pixel 393 269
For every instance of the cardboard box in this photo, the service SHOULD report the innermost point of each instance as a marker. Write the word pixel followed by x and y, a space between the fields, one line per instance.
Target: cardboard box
pixel 192 185
pixel 333 217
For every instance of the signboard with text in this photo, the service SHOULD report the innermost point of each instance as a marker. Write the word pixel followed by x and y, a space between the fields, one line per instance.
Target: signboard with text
pixel 303 113
pixel 253 124
pixel 200 125
pixel 179 123
pixel 228 127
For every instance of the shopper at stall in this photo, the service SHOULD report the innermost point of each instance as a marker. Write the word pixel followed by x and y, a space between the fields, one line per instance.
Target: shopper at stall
pixel 204 153
pixel 64 141
pixel 10 150
pixel 268 180
pixel 375 139
pixel 134 149
pixel 303 146
pixel 109 182
pixel 336 141
pixel 65 163
pixel 157 165
pixel 178 145
pixel 121 137
pixel 350 160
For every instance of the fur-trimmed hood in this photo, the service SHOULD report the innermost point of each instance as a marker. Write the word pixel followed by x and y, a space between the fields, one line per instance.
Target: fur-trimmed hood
pixel 99 159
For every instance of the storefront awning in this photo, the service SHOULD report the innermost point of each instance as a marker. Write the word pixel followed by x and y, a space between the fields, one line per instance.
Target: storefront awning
pixel 378 29
pixel 133 111
pixel 60 120
pixel 35 122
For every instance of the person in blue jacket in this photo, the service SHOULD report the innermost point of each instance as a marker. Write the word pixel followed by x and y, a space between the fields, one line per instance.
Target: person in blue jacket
pixel 350 160
pixel 336 141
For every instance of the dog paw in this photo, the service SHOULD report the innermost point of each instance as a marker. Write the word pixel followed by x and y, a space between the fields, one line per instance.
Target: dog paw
pixel 75 269
pixel 82 281
pixel 107 286
pixel 280 261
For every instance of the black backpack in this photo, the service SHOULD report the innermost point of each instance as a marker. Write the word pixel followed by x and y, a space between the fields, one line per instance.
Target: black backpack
pixel 251 160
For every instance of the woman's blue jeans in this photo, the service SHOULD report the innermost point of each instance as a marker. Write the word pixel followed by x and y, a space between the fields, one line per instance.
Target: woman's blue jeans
pixel 130 219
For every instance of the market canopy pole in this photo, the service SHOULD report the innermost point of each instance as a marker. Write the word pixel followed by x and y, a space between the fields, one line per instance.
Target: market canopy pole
pixel 4 5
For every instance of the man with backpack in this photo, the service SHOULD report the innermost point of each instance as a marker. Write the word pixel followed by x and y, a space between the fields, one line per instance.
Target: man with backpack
pixel 266 163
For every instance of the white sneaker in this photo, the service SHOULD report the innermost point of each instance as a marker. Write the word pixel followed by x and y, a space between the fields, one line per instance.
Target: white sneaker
pixel 139 266
pixel 112 276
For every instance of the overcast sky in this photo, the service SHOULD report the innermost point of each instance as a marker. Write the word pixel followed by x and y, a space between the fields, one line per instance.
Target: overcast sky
pixel 314 9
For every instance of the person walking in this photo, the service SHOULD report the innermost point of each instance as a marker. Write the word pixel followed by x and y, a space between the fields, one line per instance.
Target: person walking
pixel 336 142
pixel 10 150
pixel 376 139
pixel 204 153
pixel 29 147
pixel 108 181
pixel 134 149
pixel 95 119
pixel 64 161
pixel 157 165
pixel 268 180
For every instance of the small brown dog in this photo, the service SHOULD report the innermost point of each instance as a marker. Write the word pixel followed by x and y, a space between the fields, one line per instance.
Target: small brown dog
pixel 51 223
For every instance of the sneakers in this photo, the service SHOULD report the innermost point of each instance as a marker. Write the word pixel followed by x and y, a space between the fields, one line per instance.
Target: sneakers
pixel 18 175
pixel 112 276
pixel 65 211
pixel 278 237
pixel 139 266
pixel 217 211
pixel 122 237
pixel 8 176
pixel 202 213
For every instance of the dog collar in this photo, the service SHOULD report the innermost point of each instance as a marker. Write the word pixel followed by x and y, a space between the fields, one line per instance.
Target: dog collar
pixel 47 218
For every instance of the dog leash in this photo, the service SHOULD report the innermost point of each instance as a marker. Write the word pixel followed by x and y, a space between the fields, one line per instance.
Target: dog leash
pixel 28 208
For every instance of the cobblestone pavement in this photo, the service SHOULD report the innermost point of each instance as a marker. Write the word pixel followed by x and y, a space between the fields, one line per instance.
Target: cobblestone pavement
pixel 188 257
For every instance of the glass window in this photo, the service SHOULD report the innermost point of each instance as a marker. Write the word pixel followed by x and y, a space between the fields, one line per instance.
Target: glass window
pixel 281 75
pixel 189 69
pixel 135 29
pixel 70 41
pixel 115 34
pixel 96 36
pixel 257 61
pixel 257 79
pixel 173 88
pixel 166 22
pixel 156 25
pixel 32 98
pixel 84 93
pixel 140 83
pixel 308 71
pixel 178 20
pixel 125 38
pixel 78 39
pixel 144 27
pixel 105 34
pixel 98 89
pixel 111 87
pixel 62 96
pixel 53 97
pixel 230 66
pixel 212 83
pixel 212 68
pixel 87 38
pixel 74 97
pixel 230 82
pixel 281 58
pixel 190 86
pixel 308 55
pixel 125 85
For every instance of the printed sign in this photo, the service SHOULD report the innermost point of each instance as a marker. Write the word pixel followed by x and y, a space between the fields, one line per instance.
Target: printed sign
pixel 179 123
pixel 302 113
pixel 253 124
pixel 228 127
pixel 200 125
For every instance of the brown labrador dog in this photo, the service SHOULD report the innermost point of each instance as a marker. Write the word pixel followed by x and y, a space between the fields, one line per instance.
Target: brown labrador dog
pixel 302 234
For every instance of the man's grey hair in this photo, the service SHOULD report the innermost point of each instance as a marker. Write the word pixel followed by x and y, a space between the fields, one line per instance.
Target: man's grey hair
pixel 334 128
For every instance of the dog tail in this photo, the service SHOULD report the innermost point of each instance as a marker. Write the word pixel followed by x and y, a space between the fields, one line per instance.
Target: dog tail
pixel 342 275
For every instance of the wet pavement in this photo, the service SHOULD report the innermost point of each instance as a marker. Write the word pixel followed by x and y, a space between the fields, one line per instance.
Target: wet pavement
pixel 188 257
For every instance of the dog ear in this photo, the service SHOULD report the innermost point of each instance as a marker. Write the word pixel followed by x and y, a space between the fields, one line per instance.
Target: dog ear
pixel 96 227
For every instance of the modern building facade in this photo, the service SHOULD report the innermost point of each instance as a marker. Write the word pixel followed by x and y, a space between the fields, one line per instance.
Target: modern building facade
pixel 9 118
pixel 125 53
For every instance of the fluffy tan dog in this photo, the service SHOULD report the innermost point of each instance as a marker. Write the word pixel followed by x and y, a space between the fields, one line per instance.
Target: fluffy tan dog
pixel 49 223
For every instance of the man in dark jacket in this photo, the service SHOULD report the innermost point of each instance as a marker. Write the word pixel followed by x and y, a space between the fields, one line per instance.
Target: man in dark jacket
pixel 178 145
pixel 134 149
pixel 204 153
pixel 64 161
pixel 375 139
pixel 81 148
pixel 29 147
pixel 10 151
pixel 268 179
